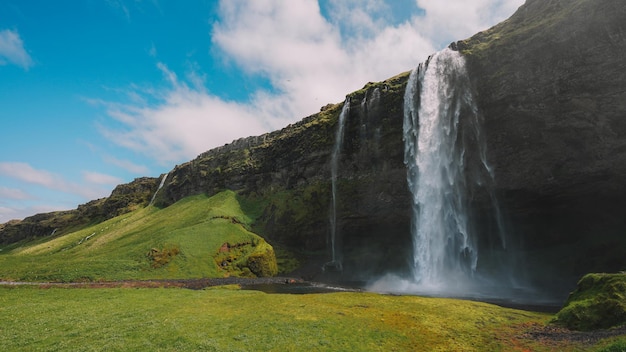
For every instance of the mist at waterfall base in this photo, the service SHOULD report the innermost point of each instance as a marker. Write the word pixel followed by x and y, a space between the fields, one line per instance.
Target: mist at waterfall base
pixel 445 155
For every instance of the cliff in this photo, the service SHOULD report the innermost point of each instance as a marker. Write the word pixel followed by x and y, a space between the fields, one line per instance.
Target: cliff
pixel 549 83
pixel 290 170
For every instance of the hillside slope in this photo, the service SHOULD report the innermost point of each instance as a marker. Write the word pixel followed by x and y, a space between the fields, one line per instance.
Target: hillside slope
pixel 195 238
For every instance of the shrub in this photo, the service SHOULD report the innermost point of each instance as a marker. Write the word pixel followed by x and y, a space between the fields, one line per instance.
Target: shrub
pixel 599 302
pixel 159 258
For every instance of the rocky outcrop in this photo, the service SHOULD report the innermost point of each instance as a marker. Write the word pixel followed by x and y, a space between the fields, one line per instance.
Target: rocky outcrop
pixel 599 302
pixel 124 198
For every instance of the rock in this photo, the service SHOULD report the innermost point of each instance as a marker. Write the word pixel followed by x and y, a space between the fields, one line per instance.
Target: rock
pixel 550 86
pixel 599 302
pixel 124 198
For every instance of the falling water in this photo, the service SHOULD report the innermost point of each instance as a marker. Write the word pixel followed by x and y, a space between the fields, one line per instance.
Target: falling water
pixel 437 94
pixel 335 262
pixel 159 188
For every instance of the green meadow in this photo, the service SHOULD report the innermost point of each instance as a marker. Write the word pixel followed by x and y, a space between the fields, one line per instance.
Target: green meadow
pixel 211 237
pixel 228 319
pixel 180 241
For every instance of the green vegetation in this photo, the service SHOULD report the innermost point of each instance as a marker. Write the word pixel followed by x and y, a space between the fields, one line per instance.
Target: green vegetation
pixel 232 320
pixel 395 83
pixel 180 241
pixel 613 345
pixel 599 302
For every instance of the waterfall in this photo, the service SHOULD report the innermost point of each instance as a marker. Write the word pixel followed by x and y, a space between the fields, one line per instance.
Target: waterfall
pixel 335 263
pixel 158 188
pixel 437 96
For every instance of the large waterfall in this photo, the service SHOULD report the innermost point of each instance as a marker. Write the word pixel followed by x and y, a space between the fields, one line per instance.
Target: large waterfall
pixel 437 97
pixel 454 208
pixel 335 263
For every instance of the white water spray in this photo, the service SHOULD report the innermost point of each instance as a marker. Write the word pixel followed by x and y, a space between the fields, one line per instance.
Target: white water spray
pixel 159 188
pixel 447 173
pixel 335 262
pixel 437 93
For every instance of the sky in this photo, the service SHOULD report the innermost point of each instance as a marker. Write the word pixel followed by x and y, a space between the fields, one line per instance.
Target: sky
pixel 95 93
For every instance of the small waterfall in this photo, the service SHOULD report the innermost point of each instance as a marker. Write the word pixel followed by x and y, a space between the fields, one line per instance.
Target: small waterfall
pixel 438 94
pixel 335 263
pixel 158 188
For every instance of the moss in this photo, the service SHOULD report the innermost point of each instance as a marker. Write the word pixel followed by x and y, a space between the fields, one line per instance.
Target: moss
pixel 249 259
pixel 262 262
pixel 394 83
pixel 599 302
pixel 161 257
pixel 286 260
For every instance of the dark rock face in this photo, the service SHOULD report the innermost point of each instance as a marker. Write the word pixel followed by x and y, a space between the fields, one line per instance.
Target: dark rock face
pixel 551 85
pixel 290 170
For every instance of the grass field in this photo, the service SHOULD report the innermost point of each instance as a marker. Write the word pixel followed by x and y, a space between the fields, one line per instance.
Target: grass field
pixel 226 319
pixel 180 241
pixel 208 237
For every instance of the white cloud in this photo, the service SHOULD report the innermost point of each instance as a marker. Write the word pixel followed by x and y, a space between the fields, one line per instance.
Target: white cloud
pixel 452 20
pixel 184 124
pixel 26 173
pixel 359 18
pixel 309 60
pixel 12 50
pixel 126 165
pixel 100 179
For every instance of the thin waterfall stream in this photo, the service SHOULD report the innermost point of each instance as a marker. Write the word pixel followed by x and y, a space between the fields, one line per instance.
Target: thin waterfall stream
pixel 158 188
pixel 335 263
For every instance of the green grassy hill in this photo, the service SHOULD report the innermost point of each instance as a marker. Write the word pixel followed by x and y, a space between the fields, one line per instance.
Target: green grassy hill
pixel 196 237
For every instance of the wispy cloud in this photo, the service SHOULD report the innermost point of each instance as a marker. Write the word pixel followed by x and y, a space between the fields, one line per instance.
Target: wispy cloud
pixel 308 59
pixel 457 19
pixel 12 50
pixel 89 189
pixel 120 6
pixel 26 173
pixel 14 194
pixel 182 125
pixel 100 179
pixel 126 165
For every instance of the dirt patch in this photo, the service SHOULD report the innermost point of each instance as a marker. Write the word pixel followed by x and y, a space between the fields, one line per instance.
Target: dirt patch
pixel 550 333
pixel 194 284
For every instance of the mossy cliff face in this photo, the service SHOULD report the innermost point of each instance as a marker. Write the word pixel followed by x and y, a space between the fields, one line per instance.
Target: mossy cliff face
pixel 288 172
pixel 550 86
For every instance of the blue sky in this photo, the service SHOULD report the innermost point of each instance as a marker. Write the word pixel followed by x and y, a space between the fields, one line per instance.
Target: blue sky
pixel 94 93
